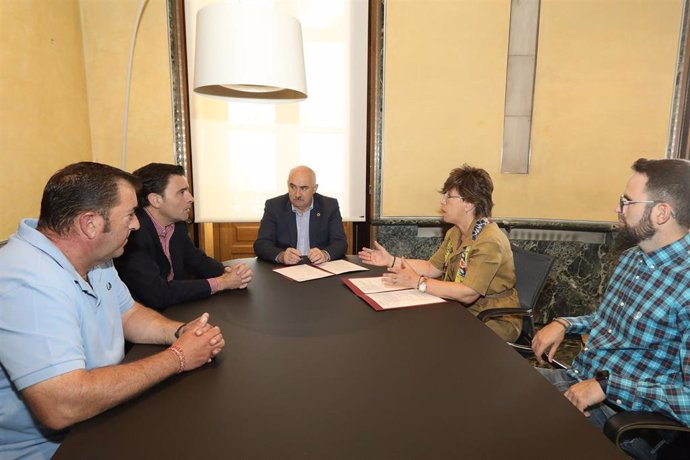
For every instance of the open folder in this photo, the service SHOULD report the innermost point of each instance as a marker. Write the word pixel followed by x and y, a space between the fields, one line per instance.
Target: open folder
pixel 306 272
pixel 382 297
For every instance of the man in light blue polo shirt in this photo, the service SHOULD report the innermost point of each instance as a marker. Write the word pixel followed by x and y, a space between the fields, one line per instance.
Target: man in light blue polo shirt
pixel 64 314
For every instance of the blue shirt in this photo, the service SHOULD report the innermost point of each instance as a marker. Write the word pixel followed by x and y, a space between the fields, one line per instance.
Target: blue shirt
pixel 302 221
pixel 641 332
pixel 51 322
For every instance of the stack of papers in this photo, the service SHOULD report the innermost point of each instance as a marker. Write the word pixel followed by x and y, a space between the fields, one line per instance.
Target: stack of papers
pixel 305 272
pixel 382 297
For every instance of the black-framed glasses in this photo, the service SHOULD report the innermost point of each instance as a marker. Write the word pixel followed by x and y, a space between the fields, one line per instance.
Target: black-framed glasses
pixel 623 201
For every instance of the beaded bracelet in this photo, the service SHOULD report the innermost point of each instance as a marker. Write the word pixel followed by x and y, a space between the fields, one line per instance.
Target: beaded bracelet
pixel 180 356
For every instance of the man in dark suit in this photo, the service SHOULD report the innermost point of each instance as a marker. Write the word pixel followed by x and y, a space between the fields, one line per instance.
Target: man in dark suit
pixel 160 265
pixel 301 223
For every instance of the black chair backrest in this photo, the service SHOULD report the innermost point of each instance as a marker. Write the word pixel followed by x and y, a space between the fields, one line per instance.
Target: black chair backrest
pixel 531 270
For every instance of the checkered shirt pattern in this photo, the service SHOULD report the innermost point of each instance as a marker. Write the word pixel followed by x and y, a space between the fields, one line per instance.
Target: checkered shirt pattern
pixel 641 332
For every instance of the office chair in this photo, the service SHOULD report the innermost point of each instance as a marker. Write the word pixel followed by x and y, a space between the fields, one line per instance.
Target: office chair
pixel 665 437
pixel 531 270
pixel 668 438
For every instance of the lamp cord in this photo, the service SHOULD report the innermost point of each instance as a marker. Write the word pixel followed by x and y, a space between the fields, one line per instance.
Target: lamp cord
pixel 128 83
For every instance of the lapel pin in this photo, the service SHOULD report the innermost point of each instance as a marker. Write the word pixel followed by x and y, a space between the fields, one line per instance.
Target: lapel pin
pixel 318 214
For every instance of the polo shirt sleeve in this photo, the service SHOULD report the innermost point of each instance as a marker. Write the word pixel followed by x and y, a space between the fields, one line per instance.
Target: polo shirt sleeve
pixel 483 263
pixel 40 335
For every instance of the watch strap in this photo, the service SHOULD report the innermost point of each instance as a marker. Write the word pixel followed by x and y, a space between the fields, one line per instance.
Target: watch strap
pixel 421 284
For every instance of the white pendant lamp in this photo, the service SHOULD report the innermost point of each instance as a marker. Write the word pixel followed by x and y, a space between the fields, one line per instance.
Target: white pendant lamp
pixel 249 52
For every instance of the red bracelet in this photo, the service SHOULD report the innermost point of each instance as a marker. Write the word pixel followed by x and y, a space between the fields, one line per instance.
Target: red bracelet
pixel 180 356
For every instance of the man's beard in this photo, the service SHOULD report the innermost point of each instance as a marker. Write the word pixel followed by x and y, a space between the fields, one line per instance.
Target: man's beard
pixel 644 229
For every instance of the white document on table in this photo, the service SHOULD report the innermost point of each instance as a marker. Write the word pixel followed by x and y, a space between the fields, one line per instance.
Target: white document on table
pixel 404 298
pixel 338 267
pixel 371 285
pixel 303 272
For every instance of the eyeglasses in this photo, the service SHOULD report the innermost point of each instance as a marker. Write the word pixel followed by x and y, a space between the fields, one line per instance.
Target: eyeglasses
pixel 623 201
pixel 445 197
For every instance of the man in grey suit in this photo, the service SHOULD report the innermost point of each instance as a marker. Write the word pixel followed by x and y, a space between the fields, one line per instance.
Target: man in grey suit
pixel 301 223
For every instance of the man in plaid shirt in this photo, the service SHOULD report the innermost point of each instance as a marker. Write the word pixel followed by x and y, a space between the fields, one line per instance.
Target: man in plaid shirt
pixel 637 356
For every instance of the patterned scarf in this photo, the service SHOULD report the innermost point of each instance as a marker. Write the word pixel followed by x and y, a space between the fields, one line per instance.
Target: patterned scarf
pixel 464 255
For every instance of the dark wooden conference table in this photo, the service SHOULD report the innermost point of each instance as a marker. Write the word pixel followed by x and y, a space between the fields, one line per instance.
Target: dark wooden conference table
pixel 311 371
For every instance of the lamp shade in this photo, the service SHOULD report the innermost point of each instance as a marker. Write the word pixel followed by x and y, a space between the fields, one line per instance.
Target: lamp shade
pixel 249 52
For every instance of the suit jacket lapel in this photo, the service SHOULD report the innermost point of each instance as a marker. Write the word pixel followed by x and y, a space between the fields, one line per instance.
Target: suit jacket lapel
pixel 314 218
pixel 145 221
pixel 292 224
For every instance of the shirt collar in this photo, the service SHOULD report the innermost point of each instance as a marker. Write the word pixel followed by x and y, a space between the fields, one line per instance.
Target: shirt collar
pixel 161 230
pixel 679 249
pixel 474 229
pixel 297 211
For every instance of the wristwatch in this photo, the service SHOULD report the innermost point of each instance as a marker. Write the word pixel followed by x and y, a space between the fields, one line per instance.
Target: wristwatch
pixel 421 285
pixel 602 378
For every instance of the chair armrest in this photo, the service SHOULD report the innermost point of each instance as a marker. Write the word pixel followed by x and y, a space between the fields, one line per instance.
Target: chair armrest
pixel 510 311
pixel 623 422
pixel 523 349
